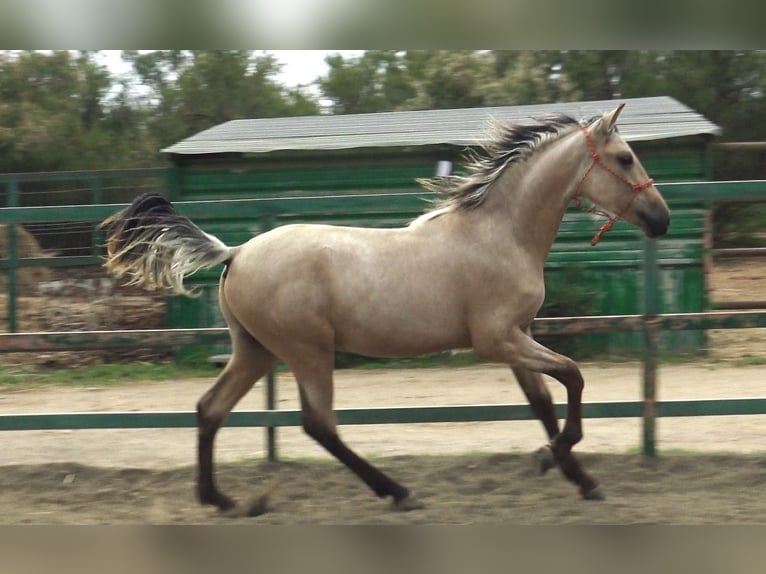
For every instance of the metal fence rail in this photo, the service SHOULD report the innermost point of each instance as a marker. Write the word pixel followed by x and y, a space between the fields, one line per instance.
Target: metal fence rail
pixel 378 415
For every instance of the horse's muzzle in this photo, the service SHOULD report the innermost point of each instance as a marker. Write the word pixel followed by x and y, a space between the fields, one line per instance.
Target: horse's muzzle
pixel 654 222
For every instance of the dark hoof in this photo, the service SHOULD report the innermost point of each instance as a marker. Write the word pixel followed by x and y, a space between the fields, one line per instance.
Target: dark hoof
pixel 410 502
pixel 223 502
pixel 544 459
pixel 594 493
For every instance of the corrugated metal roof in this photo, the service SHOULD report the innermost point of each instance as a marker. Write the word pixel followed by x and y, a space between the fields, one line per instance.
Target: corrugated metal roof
pixel 642 119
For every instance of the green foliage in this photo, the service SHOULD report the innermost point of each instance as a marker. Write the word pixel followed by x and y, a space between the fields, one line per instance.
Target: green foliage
pixel 50 106
pixel 379 80
pixel 64 111
pixel 197 89
pixel 387 80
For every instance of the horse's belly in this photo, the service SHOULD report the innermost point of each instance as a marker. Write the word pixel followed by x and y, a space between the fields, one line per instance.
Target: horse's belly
pixel 397 334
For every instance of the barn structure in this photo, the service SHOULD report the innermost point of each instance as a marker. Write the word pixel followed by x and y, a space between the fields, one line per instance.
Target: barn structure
pixel 360 155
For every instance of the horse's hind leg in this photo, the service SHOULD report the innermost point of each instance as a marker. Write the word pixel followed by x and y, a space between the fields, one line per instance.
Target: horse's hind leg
pixel 249 362
pixel 319 422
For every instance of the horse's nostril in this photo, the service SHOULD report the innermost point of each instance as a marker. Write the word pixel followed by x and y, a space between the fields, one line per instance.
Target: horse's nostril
pixel 656 224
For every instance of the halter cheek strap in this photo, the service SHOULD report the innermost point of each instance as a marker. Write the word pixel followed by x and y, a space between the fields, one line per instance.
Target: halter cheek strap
pixel 596 160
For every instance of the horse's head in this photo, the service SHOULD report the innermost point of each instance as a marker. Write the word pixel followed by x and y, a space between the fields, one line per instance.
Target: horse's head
pixel 616 181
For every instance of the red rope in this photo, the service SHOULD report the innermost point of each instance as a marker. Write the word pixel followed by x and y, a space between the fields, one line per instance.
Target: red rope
pixel 636 187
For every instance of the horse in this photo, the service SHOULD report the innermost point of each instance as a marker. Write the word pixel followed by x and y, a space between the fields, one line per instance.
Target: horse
pixel 468 273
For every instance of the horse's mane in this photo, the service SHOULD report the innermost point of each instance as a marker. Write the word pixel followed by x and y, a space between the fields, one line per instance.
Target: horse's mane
pixel 508 144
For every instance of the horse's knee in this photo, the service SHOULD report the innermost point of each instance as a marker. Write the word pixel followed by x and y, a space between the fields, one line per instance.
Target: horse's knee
pixel 203 421
pixel 208 420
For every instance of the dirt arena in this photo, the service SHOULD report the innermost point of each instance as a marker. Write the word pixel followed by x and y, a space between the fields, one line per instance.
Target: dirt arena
pixel 712 469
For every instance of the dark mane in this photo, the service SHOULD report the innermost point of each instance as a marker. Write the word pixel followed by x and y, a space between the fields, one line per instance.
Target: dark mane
pixel 509 144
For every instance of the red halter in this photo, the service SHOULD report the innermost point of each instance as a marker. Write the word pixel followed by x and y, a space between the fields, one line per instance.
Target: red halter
pixel 637 188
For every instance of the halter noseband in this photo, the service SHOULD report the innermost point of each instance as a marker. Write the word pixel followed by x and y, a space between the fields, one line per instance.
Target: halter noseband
pixel 636 187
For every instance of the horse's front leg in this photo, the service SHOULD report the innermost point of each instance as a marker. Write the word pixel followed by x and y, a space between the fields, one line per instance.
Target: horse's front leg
pixel 569 375
pixel 541 402
pixel 521 352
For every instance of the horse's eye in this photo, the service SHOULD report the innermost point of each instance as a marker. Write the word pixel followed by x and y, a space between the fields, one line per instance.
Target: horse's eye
pixel 625 159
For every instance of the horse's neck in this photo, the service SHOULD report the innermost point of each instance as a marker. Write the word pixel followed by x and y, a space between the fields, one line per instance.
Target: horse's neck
pixel 533 201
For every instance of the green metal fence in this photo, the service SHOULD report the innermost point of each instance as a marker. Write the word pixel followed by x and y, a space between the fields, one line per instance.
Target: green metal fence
pixel 62 211
pixel 651 324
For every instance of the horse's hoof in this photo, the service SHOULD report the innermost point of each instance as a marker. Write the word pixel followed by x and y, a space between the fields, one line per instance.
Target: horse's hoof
pixel 410 502
pixel 544 459
pixel 221 501
pixel 595 493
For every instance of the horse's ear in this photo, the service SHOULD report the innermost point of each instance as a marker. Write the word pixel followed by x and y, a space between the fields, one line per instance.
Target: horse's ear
pixel 609 119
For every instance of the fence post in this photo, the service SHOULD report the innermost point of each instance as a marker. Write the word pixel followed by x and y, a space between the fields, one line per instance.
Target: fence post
pixel 13 259
pixel 96 198
pixel 652 304
pixel 271 404
pixel 271 388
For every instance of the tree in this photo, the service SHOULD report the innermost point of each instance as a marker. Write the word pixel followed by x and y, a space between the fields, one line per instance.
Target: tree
pixel 528 77
pixel 189 91
pixel 388 80
pixel 727 87
pixel 54 114
pixel 379 80
pixel 433 79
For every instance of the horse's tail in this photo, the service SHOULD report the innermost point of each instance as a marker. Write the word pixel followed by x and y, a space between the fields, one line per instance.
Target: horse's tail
pixel 156 247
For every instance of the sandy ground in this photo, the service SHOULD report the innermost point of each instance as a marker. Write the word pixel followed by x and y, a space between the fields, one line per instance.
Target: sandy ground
pixel 147 476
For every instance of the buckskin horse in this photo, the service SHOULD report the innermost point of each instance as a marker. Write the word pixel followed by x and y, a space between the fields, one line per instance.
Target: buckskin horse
pixel 466 274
